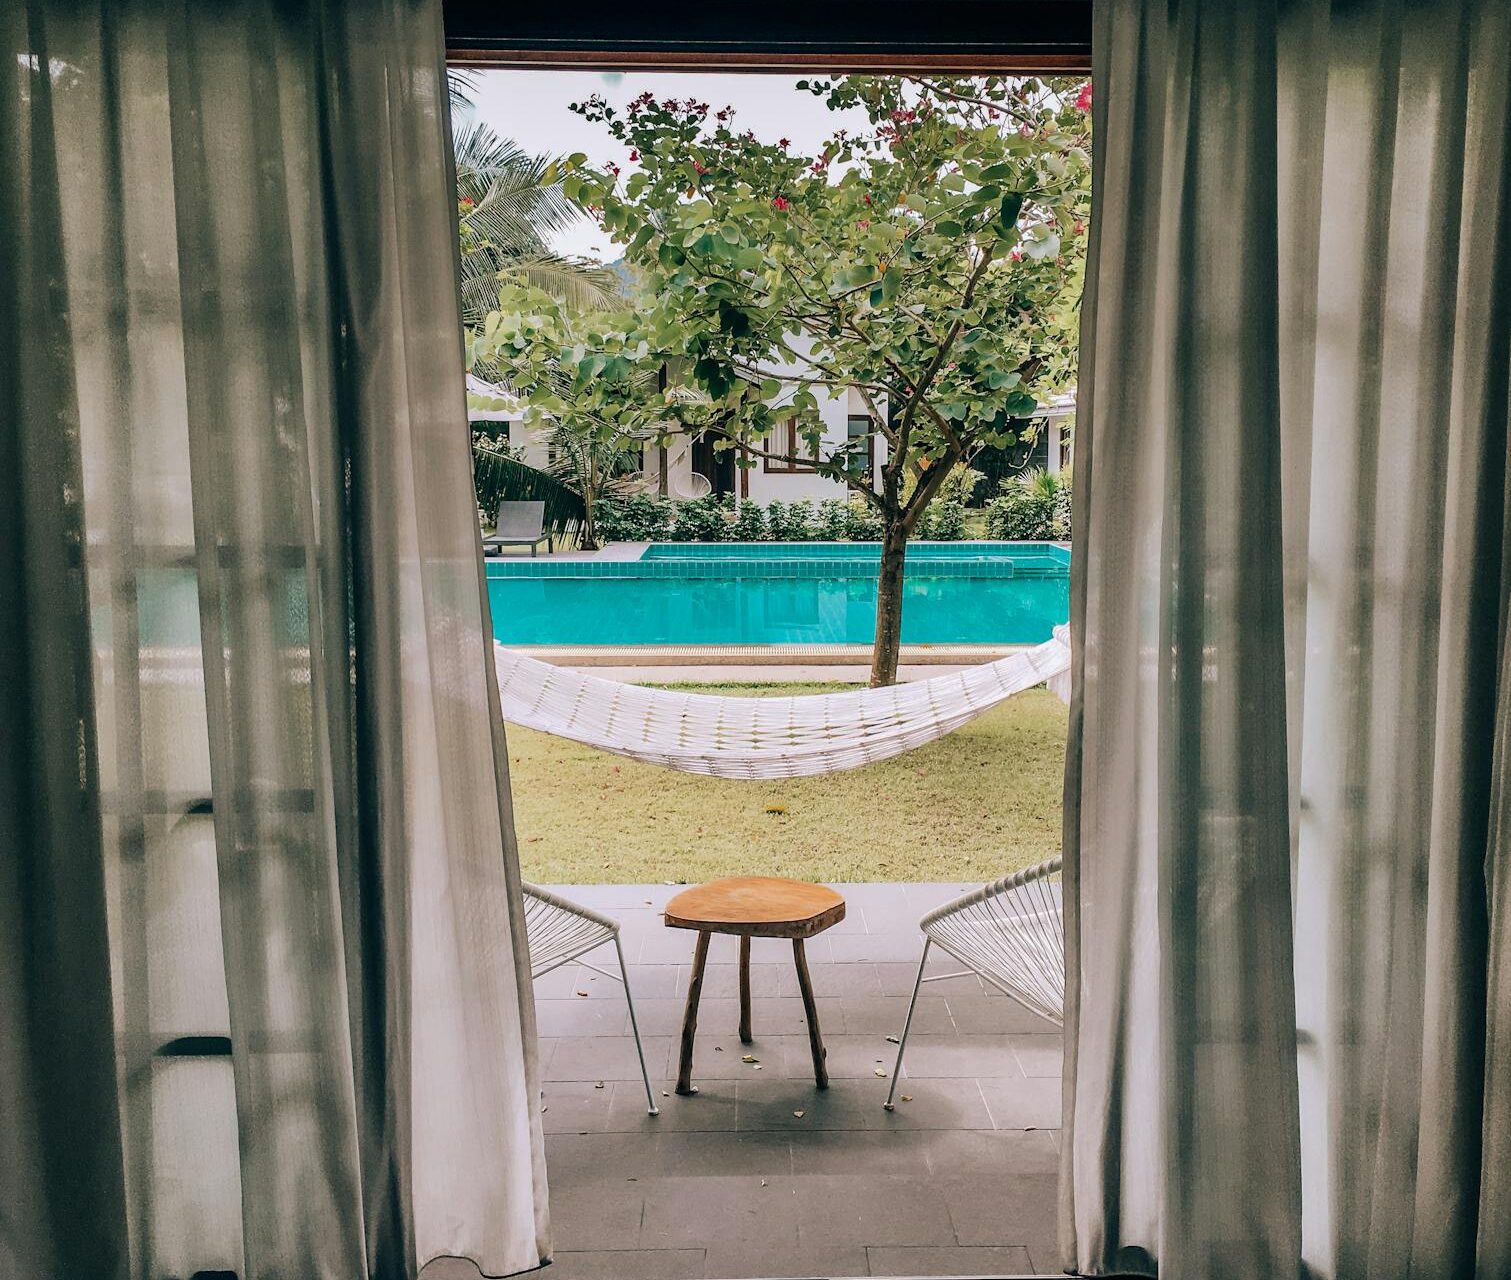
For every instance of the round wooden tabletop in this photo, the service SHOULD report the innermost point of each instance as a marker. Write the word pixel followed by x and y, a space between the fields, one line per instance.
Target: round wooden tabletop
pixel 756 906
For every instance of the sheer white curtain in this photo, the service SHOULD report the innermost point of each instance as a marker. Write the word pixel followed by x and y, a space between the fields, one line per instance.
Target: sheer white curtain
pixel 1289 1003
pixel 264 992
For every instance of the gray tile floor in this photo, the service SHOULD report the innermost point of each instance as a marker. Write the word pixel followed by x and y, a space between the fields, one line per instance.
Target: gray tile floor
pixel 958 1181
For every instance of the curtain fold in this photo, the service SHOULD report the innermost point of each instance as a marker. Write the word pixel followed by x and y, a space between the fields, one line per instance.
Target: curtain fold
pixel 1290 731
pixel 260 791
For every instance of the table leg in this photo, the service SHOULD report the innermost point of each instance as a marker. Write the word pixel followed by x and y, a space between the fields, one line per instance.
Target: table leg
pixel 690 1018
pixel 744 989
pixel 810 1010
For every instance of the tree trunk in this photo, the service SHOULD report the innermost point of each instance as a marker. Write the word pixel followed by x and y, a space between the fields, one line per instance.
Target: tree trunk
pixel 889 583
pixel 589 539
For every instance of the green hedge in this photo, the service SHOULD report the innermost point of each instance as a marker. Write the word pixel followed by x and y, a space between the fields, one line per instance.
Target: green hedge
pixel 647 518
pixel 498 478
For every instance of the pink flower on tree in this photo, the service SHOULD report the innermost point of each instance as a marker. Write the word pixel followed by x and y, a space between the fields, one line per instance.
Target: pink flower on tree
pixel 1083 99
pixel 780 204
pixel 1015 255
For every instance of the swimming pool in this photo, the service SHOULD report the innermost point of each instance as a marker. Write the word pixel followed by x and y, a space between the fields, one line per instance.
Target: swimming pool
pixel 782 593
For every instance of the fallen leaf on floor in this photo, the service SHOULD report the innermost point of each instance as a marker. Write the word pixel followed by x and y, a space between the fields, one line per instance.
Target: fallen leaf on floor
pixel 749 1057
pixel 907 1097
pixel 537 840
pixel 763 1182
pixel 778 809
pixel 799 1114
pixel 718 1048
pixel 579 993
pixel 879 1071
pixel 599 1085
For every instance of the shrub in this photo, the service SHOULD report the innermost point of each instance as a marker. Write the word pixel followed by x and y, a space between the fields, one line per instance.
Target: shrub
pixel 1061 520
pixel 962 484
pixel 862 521
pixel 638 517
pixel 1034 506
pixel 790 521
pixel 1020 513
pixel 943 520
pixel 701 520
pixel 833 520
pixel 750 522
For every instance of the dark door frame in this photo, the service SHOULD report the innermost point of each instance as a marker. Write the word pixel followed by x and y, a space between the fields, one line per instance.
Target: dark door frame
pixel 898 36
pixel 1003 36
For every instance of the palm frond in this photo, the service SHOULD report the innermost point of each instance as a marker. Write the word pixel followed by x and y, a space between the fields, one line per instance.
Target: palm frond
pixel 522 193
pixel 461 84
pixel 498 478
pixel 495 171
pixel 515 210
pixel 582 285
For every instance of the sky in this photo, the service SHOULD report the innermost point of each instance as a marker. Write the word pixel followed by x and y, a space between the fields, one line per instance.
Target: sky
pixel 532 108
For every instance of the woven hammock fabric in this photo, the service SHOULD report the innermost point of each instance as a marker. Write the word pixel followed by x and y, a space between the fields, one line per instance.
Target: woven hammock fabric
pixel 787 737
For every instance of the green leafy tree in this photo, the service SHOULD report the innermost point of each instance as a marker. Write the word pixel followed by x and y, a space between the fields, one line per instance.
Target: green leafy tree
pixel 588 383
pixel 930 260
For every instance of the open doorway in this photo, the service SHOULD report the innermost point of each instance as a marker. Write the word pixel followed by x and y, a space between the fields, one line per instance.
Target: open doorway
pixel 759 1173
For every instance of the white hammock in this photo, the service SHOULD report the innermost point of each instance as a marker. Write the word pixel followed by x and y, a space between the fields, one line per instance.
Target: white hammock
pixel 766 737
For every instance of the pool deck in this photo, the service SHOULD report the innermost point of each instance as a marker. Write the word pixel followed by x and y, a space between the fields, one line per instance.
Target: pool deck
pixel 614 551
pixel 760 1174
pixel 854 656
pixel 716 671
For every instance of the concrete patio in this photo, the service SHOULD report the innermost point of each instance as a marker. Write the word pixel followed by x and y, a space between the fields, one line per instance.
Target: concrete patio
pixel 958 1181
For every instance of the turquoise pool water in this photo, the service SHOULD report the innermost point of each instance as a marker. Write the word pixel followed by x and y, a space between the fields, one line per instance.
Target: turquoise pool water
pixel 782 593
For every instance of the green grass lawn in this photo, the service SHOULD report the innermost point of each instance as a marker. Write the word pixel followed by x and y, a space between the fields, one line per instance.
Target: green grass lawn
pixel 975 805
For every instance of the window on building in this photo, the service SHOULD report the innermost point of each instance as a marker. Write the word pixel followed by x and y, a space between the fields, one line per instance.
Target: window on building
pixel 788 441
pixel 862 428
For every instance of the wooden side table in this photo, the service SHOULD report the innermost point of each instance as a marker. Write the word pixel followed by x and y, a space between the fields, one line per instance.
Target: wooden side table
pixel 753 907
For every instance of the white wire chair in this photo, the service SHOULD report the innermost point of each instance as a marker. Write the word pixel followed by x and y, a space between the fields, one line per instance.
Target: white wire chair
pixel 558 932
pixel 1011 933
pixel 693 485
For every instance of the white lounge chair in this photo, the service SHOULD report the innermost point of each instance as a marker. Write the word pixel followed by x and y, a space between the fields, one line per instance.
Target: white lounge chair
pixel 1011 933
pixel 559 932
pixel 518 524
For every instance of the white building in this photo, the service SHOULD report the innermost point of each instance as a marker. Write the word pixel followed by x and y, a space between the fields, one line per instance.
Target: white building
pixel 690 467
